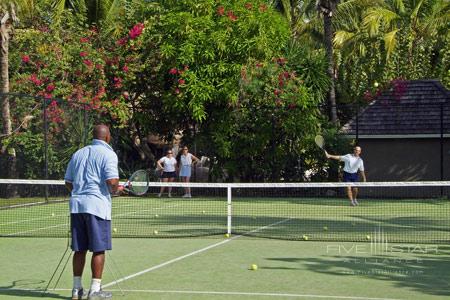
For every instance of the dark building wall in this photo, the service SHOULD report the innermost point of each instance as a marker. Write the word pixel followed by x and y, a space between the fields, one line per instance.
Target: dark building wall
pixel 405 159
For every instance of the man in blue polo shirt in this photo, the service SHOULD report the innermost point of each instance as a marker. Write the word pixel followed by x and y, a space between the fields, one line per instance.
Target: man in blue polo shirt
pixel 91 176
pixel 352 164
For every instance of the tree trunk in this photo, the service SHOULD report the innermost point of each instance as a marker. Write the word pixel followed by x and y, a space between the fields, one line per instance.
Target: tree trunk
pixel 328 39
pixel 8 152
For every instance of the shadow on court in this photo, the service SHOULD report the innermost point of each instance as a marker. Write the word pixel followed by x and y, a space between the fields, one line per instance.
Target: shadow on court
pixel 27 288
pixel 420 269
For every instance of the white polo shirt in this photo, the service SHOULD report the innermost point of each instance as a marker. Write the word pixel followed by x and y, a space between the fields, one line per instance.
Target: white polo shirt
pixel 352 163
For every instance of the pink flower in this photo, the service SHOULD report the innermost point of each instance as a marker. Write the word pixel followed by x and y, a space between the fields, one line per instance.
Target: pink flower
pixel 84 40
pixel 292 105
pixel 248 6
pixel 281 61
pixel 125 68
pixel 262 8
pixel 173 71
pixel 186 67
pixel 232 16
pixel 220 10
pixel 87 62
pixel 25 59
pixel 50 88
pixel 136 31
pixel 368 96
pixel 122 41
pixel 277 92
pixel 117 82
pixel 34 79
pixel 126 95
pixel 83 54
pixel 259 65
pixel 177 91
pixel 181 81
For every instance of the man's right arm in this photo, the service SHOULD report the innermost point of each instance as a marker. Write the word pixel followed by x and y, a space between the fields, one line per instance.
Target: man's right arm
pixel 335 157
pixel 69 186
pixel 113 185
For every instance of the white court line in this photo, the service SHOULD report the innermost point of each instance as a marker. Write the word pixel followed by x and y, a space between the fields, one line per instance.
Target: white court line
pixel 189 255
pixel 309 296
pixel 38 229
pixel 66 224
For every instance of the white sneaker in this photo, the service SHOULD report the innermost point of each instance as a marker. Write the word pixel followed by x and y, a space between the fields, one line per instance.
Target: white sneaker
pixel 170 195
pixel 189 196
pixel 78 294
pixel 159 195
pixel 99 295
pixel 185 196
pixel 356 202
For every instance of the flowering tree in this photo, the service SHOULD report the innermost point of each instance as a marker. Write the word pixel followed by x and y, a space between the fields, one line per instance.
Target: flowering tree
pixel 78 78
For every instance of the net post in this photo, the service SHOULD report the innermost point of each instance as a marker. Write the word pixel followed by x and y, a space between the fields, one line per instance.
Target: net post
pixel 229 209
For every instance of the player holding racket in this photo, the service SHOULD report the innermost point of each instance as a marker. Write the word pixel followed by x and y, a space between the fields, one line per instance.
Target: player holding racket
pixel 353 164
pixel 91 176
pixel 168 165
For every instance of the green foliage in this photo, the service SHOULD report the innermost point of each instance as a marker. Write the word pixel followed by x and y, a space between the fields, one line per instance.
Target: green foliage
pixel 383 40
pixel 272 121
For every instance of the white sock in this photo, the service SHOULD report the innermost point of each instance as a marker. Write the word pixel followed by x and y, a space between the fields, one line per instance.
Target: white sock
pixel 77 282
pixel 95 285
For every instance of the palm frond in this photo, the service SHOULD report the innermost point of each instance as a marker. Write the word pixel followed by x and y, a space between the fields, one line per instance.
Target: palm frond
pixel 390 42
pixel 377 17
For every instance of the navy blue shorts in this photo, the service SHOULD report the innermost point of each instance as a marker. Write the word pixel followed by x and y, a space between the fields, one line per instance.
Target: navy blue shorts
pixel 169 175
pixel 90 232
pixel 350 177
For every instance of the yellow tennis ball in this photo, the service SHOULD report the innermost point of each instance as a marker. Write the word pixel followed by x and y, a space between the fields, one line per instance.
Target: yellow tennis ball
pixel 155 231
pixel 368 237
pixel 227 235
pixel 53 214
pixel 376 84
pixel 156 216
pixel 115 229
pixel 305 237
pixel 325 228
pixel 203 212
pixel 254 267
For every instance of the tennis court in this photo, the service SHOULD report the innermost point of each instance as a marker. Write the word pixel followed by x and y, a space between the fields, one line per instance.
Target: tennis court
pixel 306 241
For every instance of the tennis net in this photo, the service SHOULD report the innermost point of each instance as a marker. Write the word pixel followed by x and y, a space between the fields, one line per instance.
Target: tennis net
pixel 405 212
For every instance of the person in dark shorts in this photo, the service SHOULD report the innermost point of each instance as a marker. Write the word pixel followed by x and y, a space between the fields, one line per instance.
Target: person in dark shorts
pixel 91 176
pixel 168 165
pixel 353 164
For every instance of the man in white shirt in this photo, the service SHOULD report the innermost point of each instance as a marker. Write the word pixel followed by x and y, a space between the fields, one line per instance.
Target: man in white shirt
pixel 353 165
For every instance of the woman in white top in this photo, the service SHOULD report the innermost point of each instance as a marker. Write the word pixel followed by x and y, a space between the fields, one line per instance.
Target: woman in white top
pixel 168 165
pixel 185 163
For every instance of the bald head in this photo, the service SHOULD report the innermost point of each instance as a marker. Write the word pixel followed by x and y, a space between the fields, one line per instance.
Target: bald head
pixel 101 132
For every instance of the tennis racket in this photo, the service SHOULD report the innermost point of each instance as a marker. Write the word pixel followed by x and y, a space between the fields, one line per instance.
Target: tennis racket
pixel 137 184
pixel 320 142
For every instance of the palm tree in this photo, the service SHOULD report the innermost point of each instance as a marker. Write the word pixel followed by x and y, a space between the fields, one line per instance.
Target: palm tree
pixel 108 15
pixel 419 20
pixel 326 9
pixel 8 18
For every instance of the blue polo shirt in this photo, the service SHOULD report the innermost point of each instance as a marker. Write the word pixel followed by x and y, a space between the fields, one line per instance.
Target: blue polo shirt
pixel 88 171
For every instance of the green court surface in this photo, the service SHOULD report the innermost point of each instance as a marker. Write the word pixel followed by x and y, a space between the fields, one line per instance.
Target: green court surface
pixel 402 220
pixel 219 268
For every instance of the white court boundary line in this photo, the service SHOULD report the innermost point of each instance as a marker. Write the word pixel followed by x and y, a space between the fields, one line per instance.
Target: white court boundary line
pixel 220 293
pixel 188 255
pixel 286 295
